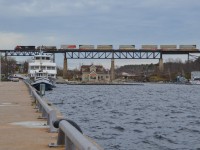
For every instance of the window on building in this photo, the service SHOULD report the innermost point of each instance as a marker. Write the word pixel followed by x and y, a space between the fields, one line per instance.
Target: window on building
pixel 93 68
pixel 93 77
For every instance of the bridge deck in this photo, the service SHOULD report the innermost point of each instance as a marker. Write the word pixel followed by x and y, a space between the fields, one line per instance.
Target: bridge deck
pixel 15 107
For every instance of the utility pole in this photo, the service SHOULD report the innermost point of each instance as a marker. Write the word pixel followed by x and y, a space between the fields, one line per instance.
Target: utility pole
pixel 0 66
pixel 6 66
pixel 65 67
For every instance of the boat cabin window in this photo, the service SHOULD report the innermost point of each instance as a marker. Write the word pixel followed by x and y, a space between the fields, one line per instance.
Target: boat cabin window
pixel 51 75
pixel 43 67
pixel 196 78
pixel 50 68
pixel 34 67
pixel 41 74
pixel 42 58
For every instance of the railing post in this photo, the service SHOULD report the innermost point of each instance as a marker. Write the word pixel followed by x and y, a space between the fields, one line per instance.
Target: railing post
pixel 61 137
pixel 44 113
pixel 42 89
pixel 68 144
pixel 51 118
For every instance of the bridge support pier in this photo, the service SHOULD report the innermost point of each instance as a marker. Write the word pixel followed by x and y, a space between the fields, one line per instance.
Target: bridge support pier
pixel 161 65
pixel 65 67
pixel 112 73
pixel 6 67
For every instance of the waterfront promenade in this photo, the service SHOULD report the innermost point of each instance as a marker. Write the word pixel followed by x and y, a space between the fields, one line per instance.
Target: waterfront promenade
pixel 19 127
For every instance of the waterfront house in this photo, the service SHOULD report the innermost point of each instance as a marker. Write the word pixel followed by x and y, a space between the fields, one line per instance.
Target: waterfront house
pixel 94 73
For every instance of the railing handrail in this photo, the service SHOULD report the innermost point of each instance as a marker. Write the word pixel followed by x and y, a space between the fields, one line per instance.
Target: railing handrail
pixel 42 102
pixel 39 99
pixel 67 131
pixel 78 139
pixel 47 111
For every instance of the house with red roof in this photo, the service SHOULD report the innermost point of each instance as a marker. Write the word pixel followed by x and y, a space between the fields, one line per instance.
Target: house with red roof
pixel 94 73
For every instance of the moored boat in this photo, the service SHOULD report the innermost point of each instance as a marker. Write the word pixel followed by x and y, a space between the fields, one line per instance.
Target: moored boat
pixel 42 71
pixel 42 80
pixel 195 80
pixel 195 77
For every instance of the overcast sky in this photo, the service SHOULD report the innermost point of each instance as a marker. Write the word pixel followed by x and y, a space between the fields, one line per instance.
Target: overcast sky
pixel 136 22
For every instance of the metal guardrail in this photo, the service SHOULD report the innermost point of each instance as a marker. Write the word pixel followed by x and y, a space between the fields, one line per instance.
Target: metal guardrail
pixel 47 112
pixel 72 138
pixel 68 135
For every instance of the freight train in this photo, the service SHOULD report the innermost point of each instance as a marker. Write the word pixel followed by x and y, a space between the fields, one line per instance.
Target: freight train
pixel 109 48
pixel 33 48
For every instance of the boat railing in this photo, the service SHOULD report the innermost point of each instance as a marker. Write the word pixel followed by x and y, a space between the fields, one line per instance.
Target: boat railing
pixel 42 78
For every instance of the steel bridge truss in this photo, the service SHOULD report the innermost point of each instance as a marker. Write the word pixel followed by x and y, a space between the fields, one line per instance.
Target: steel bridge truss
pixel 94 54
pixel 21 53
pixel 113 55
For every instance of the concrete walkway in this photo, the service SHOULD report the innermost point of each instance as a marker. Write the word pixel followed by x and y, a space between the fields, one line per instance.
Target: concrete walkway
pixel 19 127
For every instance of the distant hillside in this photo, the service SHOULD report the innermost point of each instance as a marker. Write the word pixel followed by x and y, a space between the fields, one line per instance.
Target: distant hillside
pixel 136 69
pixel 171 70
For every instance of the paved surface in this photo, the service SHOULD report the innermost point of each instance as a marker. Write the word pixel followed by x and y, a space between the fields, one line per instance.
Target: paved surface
pixel 16 109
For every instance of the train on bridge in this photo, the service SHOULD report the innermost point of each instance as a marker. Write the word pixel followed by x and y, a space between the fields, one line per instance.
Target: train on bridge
pixel 108 48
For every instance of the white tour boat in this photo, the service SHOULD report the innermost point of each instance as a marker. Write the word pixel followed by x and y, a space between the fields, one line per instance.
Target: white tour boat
pixel 42 70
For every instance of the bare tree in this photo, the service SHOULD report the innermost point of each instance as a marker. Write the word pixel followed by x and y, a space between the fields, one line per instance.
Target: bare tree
pixel 8 66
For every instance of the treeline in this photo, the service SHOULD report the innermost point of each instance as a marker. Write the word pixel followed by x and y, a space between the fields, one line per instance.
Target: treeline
pixel 151 72
pixel 147 72
pixel 8 66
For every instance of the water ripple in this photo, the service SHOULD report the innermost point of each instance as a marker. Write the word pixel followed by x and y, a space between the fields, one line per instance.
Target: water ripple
pixel 153 116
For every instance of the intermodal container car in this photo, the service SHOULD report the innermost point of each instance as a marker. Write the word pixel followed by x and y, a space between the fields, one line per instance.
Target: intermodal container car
pixel 86 47
pixel 168 47
pixel 187 47
pixel 49 48
pixel 126 47
pixel 71 46
pixel 149 47
pixel 104 47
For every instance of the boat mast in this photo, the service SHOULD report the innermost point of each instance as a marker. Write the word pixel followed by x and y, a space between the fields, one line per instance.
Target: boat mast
pixel 40 59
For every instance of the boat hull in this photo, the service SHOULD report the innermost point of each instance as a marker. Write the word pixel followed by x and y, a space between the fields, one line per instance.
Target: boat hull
pixel 195 82
pixel 48 85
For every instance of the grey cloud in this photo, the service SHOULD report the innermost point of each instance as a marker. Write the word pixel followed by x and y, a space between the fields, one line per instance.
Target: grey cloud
pixel 51 7
pixel 102 20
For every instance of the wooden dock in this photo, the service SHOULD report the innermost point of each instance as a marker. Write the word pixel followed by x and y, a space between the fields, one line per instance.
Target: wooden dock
pixel 19 127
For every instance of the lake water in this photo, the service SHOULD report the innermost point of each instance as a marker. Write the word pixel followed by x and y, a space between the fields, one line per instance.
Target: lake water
pixel 134 117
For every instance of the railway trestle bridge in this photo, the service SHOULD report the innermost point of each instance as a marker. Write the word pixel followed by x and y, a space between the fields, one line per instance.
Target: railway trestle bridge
pixel 104 54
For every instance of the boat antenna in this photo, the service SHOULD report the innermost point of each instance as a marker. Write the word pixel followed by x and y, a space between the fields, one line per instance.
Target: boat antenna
pixel 40 58
pixel 41 49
